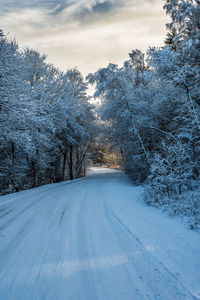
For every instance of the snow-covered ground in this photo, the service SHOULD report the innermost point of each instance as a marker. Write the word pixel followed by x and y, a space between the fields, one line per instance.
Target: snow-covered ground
pixel 94 238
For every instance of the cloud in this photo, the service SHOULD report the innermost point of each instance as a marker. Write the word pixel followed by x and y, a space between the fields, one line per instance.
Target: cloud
pixel 84 33
pixel 9 4
pixel 71 10
pixel 75 7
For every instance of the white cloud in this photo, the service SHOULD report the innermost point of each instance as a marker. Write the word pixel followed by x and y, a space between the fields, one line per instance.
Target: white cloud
pixel 74 38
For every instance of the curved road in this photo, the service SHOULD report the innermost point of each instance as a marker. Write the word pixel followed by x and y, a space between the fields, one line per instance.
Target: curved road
pixel 93 239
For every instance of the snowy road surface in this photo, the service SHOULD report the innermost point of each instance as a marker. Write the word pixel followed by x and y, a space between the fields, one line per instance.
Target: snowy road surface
pixel 94 238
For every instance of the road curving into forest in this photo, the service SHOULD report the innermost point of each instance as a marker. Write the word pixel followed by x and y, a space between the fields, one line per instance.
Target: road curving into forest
pixel 94 238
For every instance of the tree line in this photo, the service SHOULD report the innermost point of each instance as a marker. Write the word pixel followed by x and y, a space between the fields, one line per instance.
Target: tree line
pixel 151 109
pixel 46 120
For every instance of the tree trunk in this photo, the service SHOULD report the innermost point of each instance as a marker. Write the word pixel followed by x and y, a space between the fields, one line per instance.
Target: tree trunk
pixel 64 164
pixel 33 171
pixel 71 176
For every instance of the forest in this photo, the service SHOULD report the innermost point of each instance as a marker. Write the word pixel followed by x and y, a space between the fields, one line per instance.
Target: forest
pixel 148 115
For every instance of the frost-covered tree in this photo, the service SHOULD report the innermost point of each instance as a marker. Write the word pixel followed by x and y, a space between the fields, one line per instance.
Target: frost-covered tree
pixel 147 106
pixel 179 71
pixel 45 117
pixel 175 167
pixel 14 111
pixel 170 170
pixel 74 117
pixel 125 94
pixel 185 18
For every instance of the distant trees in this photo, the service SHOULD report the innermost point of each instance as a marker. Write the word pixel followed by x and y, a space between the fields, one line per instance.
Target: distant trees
pixel 46 120
pixel 124 102
pixel 152 108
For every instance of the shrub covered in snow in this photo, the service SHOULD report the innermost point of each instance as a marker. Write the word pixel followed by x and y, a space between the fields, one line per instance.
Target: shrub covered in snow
pixel 186 204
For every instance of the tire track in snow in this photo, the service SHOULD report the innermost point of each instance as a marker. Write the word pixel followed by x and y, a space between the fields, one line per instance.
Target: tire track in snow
pixel 102 269
pixel 4 212
pixel 151 276
pixel 76 248
pixel 12 219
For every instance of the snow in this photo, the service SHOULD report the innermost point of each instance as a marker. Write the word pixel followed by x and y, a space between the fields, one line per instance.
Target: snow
pixel 94 238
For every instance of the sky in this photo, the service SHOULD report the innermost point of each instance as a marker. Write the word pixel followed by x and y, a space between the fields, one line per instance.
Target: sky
pixel 87 34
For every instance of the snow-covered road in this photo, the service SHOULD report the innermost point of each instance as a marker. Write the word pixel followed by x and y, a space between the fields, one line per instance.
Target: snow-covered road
pixel 94 238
